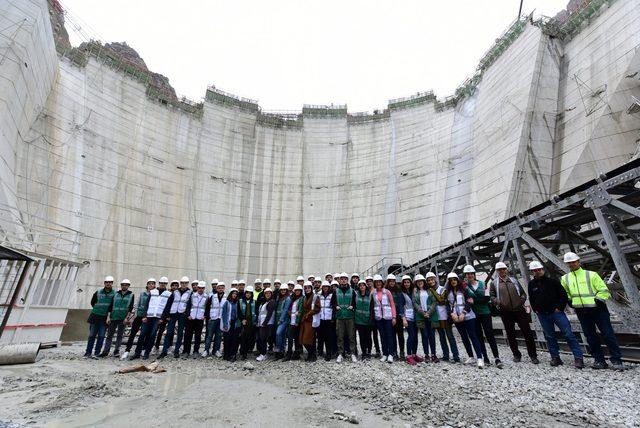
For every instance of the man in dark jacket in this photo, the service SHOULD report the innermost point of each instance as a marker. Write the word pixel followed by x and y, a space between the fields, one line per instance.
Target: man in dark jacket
pixel 548 300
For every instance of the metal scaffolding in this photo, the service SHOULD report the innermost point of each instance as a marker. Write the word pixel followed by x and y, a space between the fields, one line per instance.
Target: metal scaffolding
pixel 599 220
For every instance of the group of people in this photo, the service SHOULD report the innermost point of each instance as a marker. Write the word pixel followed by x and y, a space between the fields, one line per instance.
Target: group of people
pixel 324 317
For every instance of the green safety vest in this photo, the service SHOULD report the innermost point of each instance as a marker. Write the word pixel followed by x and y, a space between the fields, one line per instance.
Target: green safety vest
pixel 103 303
pixel 583 287
pixel 143 304
pixel 344 301
pixel 121 306
pixel 363 312
pixel 250 320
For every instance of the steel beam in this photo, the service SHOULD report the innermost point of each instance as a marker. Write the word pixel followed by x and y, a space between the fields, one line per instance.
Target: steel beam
pixel 545 252
pixel 521 262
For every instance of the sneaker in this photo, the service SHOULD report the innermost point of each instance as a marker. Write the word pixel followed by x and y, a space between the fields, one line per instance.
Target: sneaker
pixel 354 359
pixel 383 358
pixel 260 358
pixel 455 361
pixel 86 356
pixel 418 359
pixel 95 357
pixel 125 355
pixel 470 360
pixel 534 360
pixel 617 365
pixel 517 359
pixel 578 363
pixel 499 363
pixel 390 359
pixel 411 361
pixel 480 363
pixel 219 354
pixel 339 359
pixel 162 355
pixel 434 359
pixel 555 362
pixel 599 365
pixel 204 354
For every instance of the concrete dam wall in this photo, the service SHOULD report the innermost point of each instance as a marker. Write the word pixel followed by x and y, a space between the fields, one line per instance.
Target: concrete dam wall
pixel 140 188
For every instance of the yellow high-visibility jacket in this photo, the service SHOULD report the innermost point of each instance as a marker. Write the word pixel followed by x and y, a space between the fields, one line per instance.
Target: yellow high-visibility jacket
pixel 583 288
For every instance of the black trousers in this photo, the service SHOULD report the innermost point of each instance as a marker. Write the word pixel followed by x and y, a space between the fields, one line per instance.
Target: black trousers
pixel 364 336
pixel 230 340
pixel 159 334
pixel 247 340
pixel 376 340
pixel 399 331
pixel 294 340
pixel 484 324
pixel 326 337
pixel 509 320
pixel 135 327
pixel 193 333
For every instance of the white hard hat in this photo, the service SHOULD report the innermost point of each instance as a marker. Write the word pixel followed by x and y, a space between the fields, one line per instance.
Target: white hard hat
pixel 151 280
pixel 452 275
pixel 535 265
pixel 184 279
pixel 431 275
pixel 164 280
pixel 571 257
pixel 268 289
pixel 362 281
pixel 377 277
pixel 469 269
pixel 277 281
pixel 344 275
pixel 334 282
pixel 232 290
pixel 214 281
pixel 234 282
pixel 249 288
pixel 391 277
pixel 125 281
pixel 297 287
pixel 300 278
pixel 311 276
pixel 257 281
pixel 419 277
pixel 307 284
pixel 242 281
pixel 266 281
pixel 291 283
pixel 336 275
pixel 108 278
pixel 369 278
pixel 355 274
pixel 202 284
pixel 317 279
pixel 221 283
pixel 326 284
pixel 406 277
pixel 175 281
pixel 195 281
pixel 500 265
pixel 328 274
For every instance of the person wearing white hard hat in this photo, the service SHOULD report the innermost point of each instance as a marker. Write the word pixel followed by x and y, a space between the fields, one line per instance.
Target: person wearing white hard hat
pixel 241 285
pixel 100 303
pixel 196 309
pixel 362 318
pixel 294 317
pixel 140 313
pixel 266 322
pixel 401 322
pixel 214 285
pixel 213 316
pixel 328 277
pixel 310 321
pixel 440 320
pixel 464 318
pixel 177 318
pixel 353 282
pixel 162 286
pixel 588 294
pixel 230 325
pixel 424 308
pixel 317 285
pixel 409 321
pixel 345 315
pixel 327 328
pixel 300 280
pixel 119 312
pixel 479 293
pixel 257 288
pixel 248 321
pixel 291 285
pixel 157 313
pixel 311 278
pixel 384 312
pixel 509 297
pixel 173 286
pixel 283 302
pixel 549 300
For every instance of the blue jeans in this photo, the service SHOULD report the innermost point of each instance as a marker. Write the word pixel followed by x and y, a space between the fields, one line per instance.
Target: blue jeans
pixel 213 334
pixel 412 339
pixel 97 329
pixel 181 320
pixel 387 336
pixel 548 323
pixel 428 339
pixel 467 330
pixel 444 334
pixel 281 336
pixel 147 336
pixel 590 318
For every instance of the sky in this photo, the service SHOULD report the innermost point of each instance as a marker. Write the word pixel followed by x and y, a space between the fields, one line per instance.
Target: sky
pixel 286 53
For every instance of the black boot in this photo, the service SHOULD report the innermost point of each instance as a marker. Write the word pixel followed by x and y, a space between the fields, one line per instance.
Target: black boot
pixel 287 357
pixel 296 356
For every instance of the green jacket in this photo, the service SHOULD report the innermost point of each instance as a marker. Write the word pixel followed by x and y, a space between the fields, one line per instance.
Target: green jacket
pixel 480 301
pixel 103 302
pixel 121 305
pixel 363 309
pixel 248 313
pixel 344 299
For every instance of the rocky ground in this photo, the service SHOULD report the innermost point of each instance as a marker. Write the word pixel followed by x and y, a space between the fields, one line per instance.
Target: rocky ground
pixel 63 389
